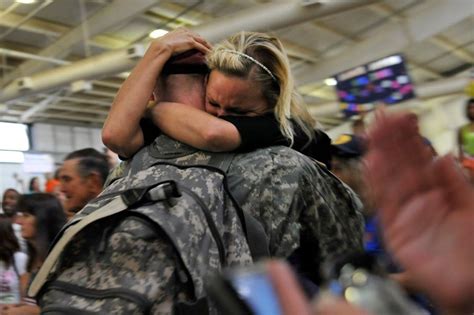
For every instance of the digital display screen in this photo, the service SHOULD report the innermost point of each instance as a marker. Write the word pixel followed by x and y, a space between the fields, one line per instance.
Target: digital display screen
pixel 385 80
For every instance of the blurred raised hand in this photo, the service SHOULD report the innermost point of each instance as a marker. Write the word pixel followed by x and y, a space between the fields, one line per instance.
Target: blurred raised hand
pixel 427 211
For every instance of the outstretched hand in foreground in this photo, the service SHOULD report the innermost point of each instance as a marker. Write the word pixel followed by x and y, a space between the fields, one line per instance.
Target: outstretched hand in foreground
pixel 427 212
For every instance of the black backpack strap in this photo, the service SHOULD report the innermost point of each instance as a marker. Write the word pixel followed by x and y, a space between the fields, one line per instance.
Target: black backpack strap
pixel 256 236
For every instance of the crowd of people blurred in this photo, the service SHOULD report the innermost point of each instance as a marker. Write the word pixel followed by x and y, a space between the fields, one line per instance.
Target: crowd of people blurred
pixel 386 180
pixel 29 222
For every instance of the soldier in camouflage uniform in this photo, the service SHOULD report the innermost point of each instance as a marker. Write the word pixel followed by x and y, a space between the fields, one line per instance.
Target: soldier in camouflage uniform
pixel 299 202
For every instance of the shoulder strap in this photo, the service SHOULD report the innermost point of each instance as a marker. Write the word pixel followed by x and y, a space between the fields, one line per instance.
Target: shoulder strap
pixel 256 238
pixel 221 160
pixel 255 233
pixel 116 205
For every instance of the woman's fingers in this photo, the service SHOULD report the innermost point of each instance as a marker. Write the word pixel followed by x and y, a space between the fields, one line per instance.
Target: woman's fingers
pixel 291 297
pixel 202 47
pixel 182 39
pixel 200 43
pixel 204 42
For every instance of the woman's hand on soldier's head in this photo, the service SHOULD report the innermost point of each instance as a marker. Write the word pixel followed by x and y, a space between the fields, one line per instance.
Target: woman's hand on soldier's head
pixel 181 40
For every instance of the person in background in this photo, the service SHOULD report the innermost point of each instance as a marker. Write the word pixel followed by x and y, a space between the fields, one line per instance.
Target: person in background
pixel 466 141
pixel 347 151
pixel 13 276
pixel 9 202
pixel 34 186
pixel 82 178
pixel 53 186
pixel 41 220
pixel 347 165
pixel 51 182
pixel 424 139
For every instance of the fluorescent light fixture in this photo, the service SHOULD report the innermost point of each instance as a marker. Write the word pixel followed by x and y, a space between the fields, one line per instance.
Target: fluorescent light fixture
pixel 11 157
pixel 385 62
pixel 330 82
pixel 26 1
pixel 15 137
pixel 123 75
pixel 157 33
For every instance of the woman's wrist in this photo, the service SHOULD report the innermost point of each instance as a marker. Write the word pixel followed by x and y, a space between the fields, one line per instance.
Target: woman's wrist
pixel 159 49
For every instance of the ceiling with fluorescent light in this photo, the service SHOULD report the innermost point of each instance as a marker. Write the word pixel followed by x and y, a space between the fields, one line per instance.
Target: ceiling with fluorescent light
pixel 62 61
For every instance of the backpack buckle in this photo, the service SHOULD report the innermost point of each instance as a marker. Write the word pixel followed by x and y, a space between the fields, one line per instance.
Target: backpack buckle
pixel 162 191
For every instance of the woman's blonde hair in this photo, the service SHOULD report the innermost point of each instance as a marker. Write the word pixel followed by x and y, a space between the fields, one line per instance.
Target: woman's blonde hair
pixel 261 58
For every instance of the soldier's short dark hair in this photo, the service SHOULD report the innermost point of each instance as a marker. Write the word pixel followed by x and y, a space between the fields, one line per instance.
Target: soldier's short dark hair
pixel 90 160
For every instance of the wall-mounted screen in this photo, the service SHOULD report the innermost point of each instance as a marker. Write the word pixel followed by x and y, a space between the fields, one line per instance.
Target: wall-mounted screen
pixel 382 81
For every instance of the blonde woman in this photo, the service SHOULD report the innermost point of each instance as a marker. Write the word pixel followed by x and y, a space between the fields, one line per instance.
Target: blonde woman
pixel 249 99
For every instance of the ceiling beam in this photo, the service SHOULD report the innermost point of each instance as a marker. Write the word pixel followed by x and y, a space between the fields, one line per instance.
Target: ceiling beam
pixel 381 8
pixel 424 68
pixel 269 16
pixel 90 68
pixel 80 100
pixel 72 117
pixel 65 107
pixel 55 30
pixel 107 84
pixel 27 17
pixel 57 116
pixel 104 94
pixel 40 107
pixel 389 39
pixel 170 12
pixel 385 10
pixel 336 32
pixel 115 13
pixel 438 40
pixel 33 25
pixel 452 47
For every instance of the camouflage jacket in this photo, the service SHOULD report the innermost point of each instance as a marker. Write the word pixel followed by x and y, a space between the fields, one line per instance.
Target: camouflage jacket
pixel 299 202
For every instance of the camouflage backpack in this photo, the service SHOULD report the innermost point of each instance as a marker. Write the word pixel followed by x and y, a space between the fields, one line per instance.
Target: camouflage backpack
pixel 147 243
